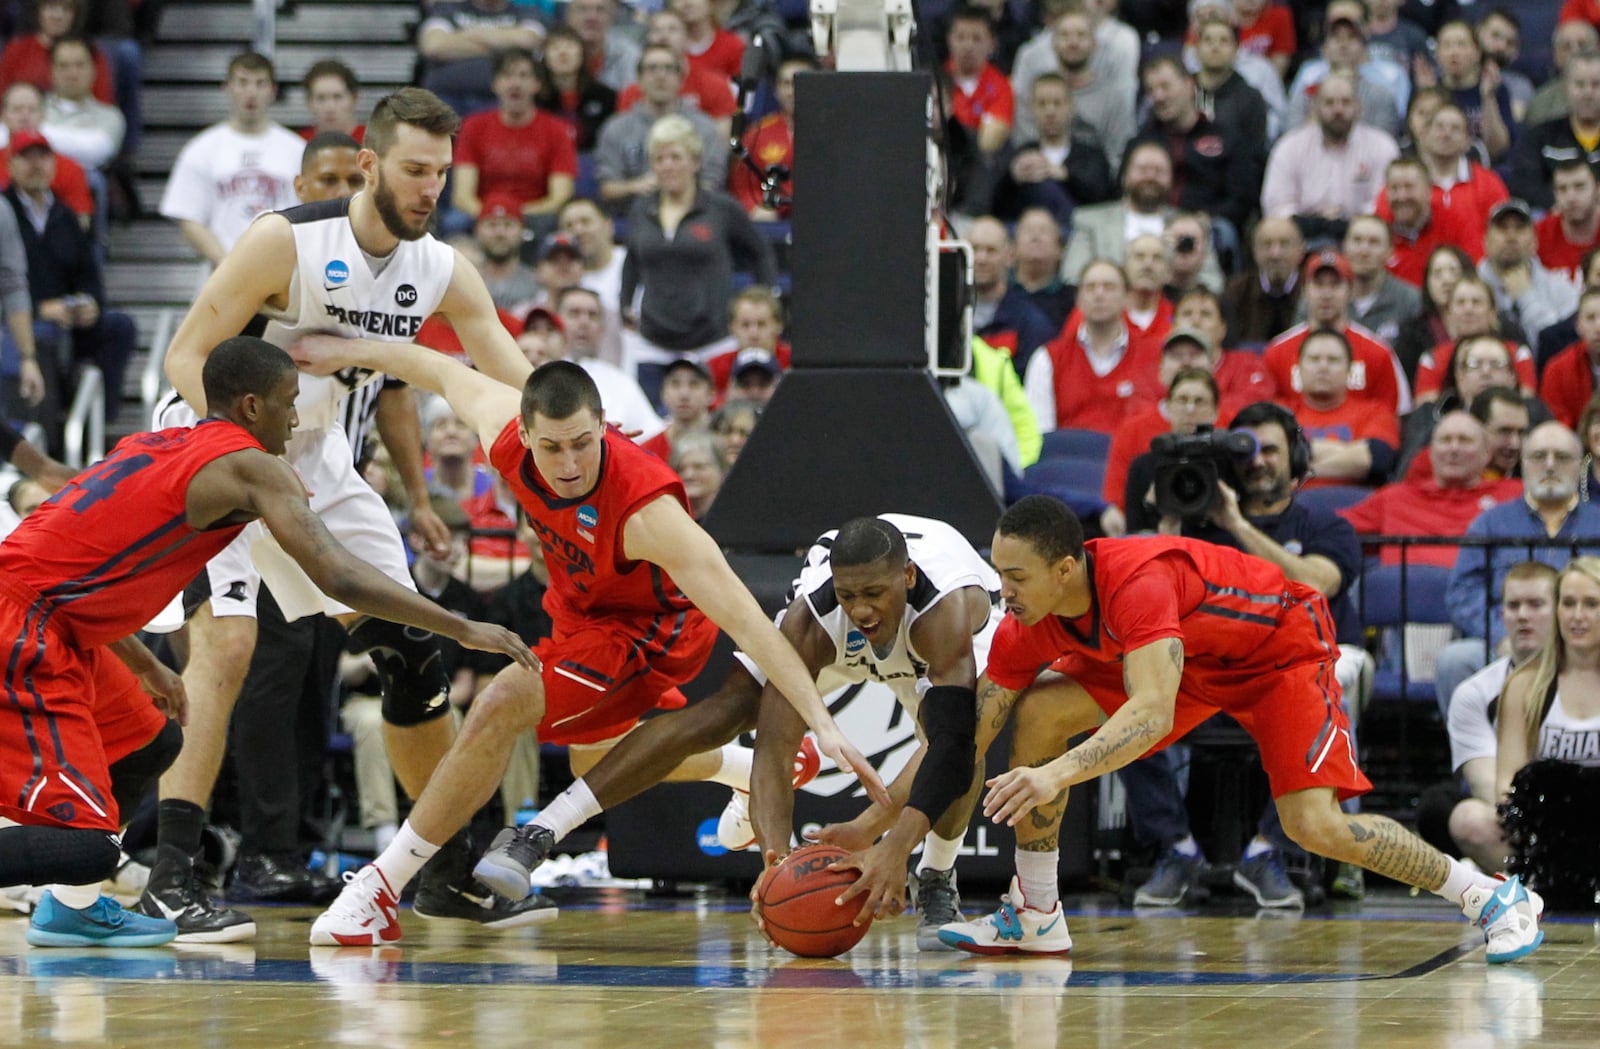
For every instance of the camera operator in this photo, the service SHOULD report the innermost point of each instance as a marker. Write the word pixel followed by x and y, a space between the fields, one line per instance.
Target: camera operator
pixel 1251 507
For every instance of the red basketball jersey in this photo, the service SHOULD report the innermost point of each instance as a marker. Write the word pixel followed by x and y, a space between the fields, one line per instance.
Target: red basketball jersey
pixel 582 537
pixel 1224 604
pixel 108 551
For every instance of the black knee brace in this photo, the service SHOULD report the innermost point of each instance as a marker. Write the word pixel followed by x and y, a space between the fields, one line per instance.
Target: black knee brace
pixel 410 669
pixel 47 855
pixel 132 776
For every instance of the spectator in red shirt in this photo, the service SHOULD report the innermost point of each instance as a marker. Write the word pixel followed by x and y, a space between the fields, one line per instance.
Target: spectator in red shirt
pixel 515 151
pixel 709 46
pixel 26 59
pixel 1572 227
pixel 1442 505
pixel 1406 203
pixel 22 110
pixel 1267 29
pixel 1242 376
pixel 1098 371
pixel 982 94
pixel 1568 381
pixel 1470 312
pixel 755 323
pixel 332 94
pixel 770 145
pixel 1464 191
pixel 1375 372
pixel 687 393
pixel 711 91
pixel 1353 439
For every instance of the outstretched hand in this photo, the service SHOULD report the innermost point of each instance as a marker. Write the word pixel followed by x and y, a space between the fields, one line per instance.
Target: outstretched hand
pixel 319 354
pixel 769 861
pixel 430 528
pixel 832 743
pixel 852 836
pixel 1014 794
pixel 486 637
pixel 882 881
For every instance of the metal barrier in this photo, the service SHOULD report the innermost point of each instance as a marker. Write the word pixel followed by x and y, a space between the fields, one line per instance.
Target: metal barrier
pixel 85 436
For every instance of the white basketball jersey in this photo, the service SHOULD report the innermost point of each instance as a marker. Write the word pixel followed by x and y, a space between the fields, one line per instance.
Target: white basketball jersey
pixel 334 291
pixel 945 562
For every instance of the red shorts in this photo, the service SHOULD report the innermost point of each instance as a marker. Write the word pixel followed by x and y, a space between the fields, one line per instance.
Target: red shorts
pixel 65 715
pixel 1288 700
pixel 601 675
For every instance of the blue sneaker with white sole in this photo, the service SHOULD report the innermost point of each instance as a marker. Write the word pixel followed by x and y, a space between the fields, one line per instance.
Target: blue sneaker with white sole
pixel 1508 914
pixel 104 923
pixel 1013 929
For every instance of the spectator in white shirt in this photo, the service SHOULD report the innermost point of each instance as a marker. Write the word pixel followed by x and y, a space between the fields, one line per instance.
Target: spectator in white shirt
pixel 75 122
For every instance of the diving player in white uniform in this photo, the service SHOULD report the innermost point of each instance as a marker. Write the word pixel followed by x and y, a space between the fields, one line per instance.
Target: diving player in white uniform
pixel 902 600
pixel 360 268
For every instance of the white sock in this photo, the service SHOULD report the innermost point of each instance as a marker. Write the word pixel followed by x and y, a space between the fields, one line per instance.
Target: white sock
pixel 404 857
pixel 1187 847
pixel 938 854
pixel 735 770
pixel 1039 874
pixel 1258 845
pixel 572 808
pixel 77 897
pixel 1460 879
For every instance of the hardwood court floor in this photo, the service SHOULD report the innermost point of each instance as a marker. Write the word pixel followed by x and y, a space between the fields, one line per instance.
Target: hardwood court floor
pixel 618 971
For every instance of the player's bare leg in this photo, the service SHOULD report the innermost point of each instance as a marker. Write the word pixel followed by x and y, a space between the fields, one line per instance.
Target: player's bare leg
pixel 1507 913
pixel 1030 920
pixel 219 657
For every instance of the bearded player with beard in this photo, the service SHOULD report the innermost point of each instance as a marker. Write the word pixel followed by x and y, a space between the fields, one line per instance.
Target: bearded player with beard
pixel 360 267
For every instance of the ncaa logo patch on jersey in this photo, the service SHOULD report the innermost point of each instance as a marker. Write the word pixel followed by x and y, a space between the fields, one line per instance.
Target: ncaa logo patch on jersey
pixel 588 516
pixel 405 295
pixel 854 642
pixel 336 272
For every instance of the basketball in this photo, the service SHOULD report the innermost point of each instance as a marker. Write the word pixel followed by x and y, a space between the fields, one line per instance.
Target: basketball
pixel 797 904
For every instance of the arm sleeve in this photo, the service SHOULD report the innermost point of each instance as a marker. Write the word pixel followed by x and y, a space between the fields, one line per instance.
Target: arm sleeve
pixel 747 243
pixel 949 719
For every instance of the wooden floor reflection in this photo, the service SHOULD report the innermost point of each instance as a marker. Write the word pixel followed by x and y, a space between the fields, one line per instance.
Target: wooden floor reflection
pixel 619 972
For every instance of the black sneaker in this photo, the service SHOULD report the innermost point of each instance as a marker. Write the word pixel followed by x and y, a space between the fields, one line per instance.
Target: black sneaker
pixel 174 893
pixel 470 900
pixel 508 866
pixel 938 903
pixel 281 879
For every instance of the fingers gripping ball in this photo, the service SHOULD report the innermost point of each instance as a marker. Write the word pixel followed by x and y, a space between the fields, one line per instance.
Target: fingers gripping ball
pixel 797 904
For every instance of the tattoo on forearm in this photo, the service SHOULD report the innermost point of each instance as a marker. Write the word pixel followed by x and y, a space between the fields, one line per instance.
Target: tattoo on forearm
pixel 1384 847
pixel 1096 751
pixel 994 705
pixel 1175 651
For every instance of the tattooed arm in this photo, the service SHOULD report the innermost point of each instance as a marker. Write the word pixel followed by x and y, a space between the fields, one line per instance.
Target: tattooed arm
pixel 1151 675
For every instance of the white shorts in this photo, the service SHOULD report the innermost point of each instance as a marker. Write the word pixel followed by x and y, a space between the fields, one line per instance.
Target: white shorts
pixel 352 511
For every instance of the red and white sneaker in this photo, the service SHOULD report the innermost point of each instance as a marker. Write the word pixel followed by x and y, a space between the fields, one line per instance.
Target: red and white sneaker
pixel 366 914
pixel 734 829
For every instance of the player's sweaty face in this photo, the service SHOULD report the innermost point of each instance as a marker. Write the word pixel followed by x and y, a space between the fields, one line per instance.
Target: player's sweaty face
pixel 278 417
pixel 1028 585
pixel 873 596
pixel 566 452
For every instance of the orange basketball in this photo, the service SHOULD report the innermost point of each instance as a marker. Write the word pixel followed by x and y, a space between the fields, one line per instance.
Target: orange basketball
pixel 797 904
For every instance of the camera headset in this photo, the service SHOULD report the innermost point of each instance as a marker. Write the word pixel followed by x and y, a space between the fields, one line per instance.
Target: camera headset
pixel 1253 415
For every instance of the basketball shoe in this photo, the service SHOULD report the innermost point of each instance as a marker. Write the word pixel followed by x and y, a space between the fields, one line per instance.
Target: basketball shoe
pixel 366 914
pixel 174 893
pixel 938 904
pixel 734 829
pixel 1013 929
pixel 103 923
pixel 1508 914
pixel 447 890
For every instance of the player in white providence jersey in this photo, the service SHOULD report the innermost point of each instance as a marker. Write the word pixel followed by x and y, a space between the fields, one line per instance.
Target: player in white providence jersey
pixel 365 268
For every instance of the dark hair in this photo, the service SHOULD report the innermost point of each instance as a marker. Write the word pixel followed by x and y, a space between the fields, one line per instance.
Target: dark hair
pixel 1046 524
pixel 416 106
pixel 72 38
pixel 677 59
pixel 971 13
pixel 505 59
pixel 331 67
pixel 1170 61
pixel 1586 421
pixel 242 365
pixel 548 96
pixel 576 289
pixel 559 390
pixel 1263 413
pixel 1429 307
pixel 1199 375
pixel 1051 78
pixel 323 141
pixel 1484 403
pixel 1570 164
pixel 251 62
pixel 1449 385
pixel 1327 333
pixel 1504 14
pixel 867 541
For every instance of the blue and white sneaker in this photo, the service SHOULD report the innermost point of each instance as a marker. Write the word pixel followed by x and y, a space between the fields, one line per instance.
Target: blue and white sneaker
pixel 103 923
pixel 1013 929
pixel 1508 914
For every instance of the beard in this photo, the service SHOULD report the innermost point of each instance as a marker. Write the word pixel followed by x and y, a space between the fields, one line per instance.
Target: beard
pixel 393 221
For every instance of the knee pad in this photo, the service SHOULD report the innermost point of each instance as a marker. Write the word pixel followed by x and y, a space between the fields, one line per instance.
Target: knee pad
pixel 132 777
pixel 410 669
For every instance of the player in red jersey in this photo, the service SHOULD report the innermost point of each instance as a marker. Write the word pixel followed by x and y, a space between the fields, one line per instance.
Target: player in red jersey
pixel 630 572
pixel 1192 629
pixel 95 563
